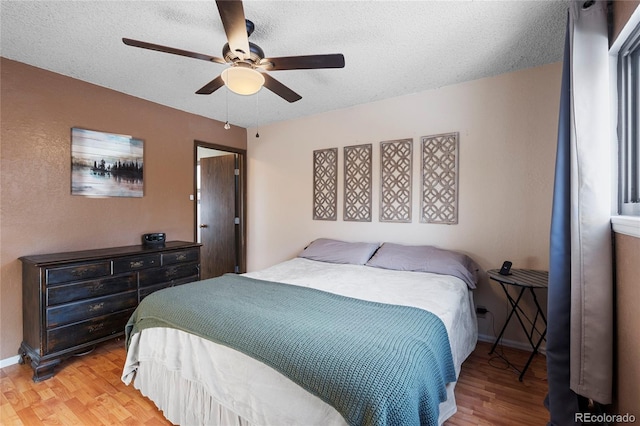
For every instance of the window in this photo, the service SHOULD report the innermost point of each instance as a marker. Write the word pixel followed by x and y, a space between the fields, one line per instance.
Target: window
pixel 629 124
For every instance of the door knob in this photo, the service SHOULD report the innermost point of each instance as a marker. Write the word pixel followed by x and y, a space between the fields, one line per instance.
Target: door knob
pixel 204 225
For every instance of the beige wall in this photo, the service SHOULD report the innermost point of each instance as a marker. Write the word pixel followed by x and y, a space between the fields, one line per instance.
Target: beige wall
pixel 508 133
pixel 627 378
pixel 38 214
pixel 622 11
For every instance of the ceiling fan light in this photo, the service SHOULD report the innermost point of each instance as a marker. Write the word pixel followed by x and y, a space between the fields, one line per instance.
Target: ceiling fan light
pixel 242 80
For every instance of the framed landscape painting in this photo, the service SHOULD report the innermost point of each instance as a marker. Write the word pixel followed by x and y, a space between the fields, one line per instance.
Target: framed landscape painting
pixel 106 164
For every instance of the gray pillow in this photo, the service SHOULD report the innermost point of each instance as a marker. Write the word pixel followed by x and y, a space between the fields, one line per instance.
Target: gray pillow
pixel 334 251
pixel 426 259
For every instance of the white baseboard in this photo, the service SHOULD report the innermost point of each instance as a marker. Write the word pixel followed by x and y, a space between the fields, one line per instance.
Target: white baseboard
pixel 512 343
pixel 9 361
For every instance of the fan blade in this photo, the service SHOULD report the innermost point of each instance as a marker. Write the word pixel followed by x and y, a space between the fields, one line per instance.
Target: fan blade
pixel 233 21
pixel 157 47
pixel 211 87
pixel 303 62
pixel 280 89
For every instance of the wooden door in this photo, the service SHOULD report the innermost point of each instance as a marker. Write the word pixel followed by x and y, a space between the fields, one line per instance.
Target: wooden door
pixel 218 215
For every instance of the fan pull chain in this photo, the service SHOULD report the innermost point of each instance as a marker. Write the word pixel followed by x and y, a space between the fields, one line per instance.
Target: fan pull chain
pixel 227 126
pixel 257 117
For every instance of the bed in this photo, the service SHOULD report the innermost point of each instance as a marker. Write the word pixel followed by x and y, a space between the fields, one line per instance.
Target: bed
pixel 197 380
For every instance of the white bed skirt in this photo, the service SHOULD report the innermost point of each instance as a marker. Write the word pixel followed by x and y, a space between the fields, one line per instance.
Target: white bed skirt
pixel 203 394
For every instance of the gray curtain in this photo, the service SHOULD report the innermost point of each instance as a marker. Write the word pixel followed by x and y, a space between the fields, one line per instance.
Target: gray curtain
pixel 591 257
pixel 580 302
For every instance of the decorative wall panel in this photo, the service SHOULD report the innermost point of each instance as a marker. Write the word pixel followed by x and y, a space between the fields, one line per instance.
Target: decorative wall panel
pixel 395 180
pixel 357 183
pixel 325 184
pixel 439 202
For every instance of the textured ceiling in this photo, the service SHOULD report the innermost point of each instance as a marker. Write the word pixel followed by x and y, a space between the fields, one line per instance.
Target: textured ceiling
pixel 391 48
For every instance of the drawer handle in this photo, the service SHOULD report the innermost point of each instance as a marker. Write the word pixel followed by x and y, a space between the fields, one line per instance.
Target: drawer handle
pixel 171 272
pixel 136 264
pixel 97 288
pixel 96 327
pixel 96 307
pixel 181 256
pixel 80 272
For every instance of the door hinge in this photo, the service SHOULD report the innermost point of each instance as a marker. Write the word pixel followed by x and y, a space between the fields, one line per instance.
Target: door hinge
pixel 236 269
pixel 236 221
pixel 236 172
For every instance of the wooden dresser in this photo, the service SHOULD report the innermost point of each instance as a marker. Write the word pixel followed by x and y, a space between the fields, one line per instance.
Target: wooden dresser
pixel 72 301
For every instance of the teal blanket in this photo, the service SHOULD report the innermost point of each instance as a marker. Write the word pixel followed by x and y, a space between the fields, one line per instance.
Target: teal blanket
pixel 375 363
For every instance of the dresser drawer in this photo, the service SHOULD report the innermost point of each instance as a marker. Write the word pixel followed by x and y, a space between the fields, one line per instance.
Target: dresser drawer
pixel 182 256
pixel 128 264
pixel 186 280
pixel 168 274
pixel 145 291
pixel 77 272
pixel 89 289
pixel 73 312
pixel 83 332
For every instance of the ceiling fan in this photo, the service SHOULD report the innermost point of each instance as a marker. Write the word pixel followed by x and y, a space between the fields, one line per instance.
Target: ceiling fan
pixel 247 74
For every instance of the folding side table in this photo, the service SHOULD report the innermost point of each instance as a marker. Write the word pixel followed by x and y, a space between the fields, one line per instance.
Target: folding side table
pixel 524 279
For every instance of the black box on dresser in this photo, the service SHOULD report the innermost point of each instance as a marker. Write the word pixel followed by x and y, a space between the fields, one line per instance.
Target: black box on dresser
pixel 75 300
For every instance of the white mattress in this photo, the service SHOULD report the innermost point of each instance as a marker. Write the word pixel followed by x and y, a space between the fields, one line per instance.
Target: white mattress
pixel 195 381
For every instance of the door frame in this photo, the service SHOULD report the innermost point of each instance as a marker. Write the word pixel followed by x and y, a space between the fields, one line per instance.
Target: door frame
pixel 241 197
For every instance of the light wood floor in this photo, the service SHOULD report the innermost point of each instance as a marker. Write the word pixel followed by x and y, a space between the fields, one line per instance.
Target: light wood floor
pixel 87 391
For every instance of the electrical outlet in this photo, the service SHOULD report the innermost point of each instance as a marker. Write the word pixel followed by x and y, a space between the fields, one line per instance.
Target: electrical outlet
pixel 481 311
